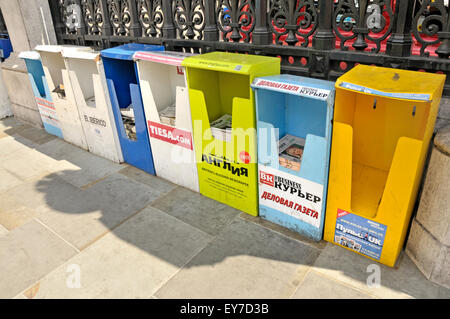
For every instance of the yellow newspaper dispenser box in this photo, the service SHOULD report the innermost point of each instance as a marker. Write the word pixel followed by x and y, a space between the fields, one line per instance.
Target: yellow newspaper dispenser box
pixel 224 124
pixel 383 122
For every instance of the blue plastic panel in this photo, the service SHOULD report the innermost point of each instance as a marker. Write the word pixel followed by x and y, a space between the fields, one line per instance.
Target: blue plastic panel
pixel 5 48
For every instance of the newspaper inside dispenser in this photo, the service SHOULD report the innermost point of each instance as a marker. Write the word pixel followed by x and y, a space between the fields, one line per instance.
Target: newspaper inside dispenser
pixel 55 63
pixel 129 122
pixel 290 151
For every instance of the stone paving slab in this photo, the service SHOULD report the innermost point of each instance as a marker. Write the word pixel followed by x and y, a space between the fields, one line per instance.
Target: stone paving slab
pixel 158 184
pixel 196 210
pixel 444 109
pixel 60 150
pixel 244 261
pixel 80 168
pixel 41 192
pixel 92 168
pixel 317 286
pixel 10 126
pixel 82 216
pixel 26 164
pixel 9 146
pixel 133 261
pixel 402 281
pixel 3 230
pixel 12 213
pixel 8 180
pixel 35 135
pixel 27 254
pixel 282 230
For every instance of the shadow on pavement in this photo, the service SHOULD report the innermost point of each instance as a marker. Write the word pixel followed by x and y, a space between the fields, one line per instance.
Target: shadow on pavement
pixel 87 196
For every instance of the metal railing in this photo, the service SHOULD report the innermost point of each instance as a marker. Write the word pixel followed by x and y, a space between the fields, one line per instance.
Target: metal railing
pixel 315 38
pixel 3 30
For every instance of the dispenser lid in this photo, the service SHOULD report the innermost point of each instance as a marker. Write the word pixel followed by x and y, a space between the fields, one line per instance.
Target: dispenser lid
pixel 165 57
pixel 126 51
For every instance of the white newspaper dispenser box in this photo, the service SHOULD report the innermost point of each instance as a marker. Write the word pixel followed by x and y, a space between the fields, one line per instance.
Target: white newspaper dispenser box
pixel 166 105
pixel 59 84
pixel 89 88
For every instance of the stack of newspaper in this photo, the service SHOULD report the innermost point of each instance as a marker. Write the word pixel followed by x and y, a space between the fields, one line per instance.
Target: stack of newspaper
pixel 291 151
pixel 129 122
pixel 221 128
pixel 91 101
pixel 167 115
pixel 60 91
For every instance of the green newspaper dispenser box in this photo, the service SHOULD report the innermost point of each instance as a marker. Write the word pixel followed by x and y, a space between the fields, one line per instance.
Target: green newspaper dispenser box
pixel 224 124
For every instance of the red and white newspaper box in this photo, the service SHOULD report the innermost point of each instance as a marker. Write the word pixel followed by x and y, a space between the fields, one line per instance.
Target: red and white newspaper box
pixel 165 96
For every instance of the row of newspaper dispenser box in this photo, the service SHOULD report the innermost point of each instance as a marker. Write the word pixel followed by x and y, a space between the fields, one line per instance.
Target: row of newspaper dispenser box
pixel 340 161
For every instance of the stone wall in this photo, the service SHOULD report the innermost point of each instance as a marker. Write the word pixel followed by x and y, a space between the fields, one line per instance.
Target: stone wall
pixel 29 23
pixel 17 82
pixel 5 105
pixel 429 239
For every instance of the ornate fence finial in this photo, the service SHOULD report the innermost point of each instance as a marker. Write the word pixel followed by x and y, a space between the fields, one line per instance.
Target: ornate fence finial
pixel 93 16
pixel 151 17
pixel 189 18
pixel 294 18
pixel 236 19
pixel 367 21
pixel 431 18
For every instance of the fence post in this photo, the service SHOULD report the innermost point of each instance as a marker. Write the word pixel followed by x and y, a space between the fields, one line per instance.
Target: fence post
pixel 361 29
pixel 211 32
pixel 81 30
pixel 444 49
pixel 2 23
pixel 324 38
pixel 135 27
pixel 168 29
pixel 400 41
pixel 106 27
pixel 261 34
pixel 57 20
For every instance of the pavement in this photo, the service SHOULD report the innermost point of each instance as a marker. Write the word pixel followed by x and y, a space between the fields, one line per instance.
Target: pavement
pixel 74 225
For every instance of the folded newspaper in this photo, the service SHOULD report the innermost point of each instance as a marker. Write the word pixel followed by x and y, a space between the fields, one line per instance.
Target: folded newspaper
pixel 221 128
pixel 129 122
pixel 91 101
pixel 167 115
pixel 60 91
pixel 291 151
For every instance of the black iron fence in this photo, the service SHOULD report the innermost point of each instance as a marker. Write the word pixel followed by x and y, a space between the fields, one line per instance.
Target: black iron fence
pixel 315 38
pixel 3 30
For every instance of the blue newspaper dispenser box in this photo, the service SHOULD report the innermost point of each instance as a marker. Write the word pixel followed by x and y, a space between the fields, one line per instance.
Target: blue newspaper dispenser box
pixel 5 46
pixel 294 137
pixel 123 85
pixel 42 92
